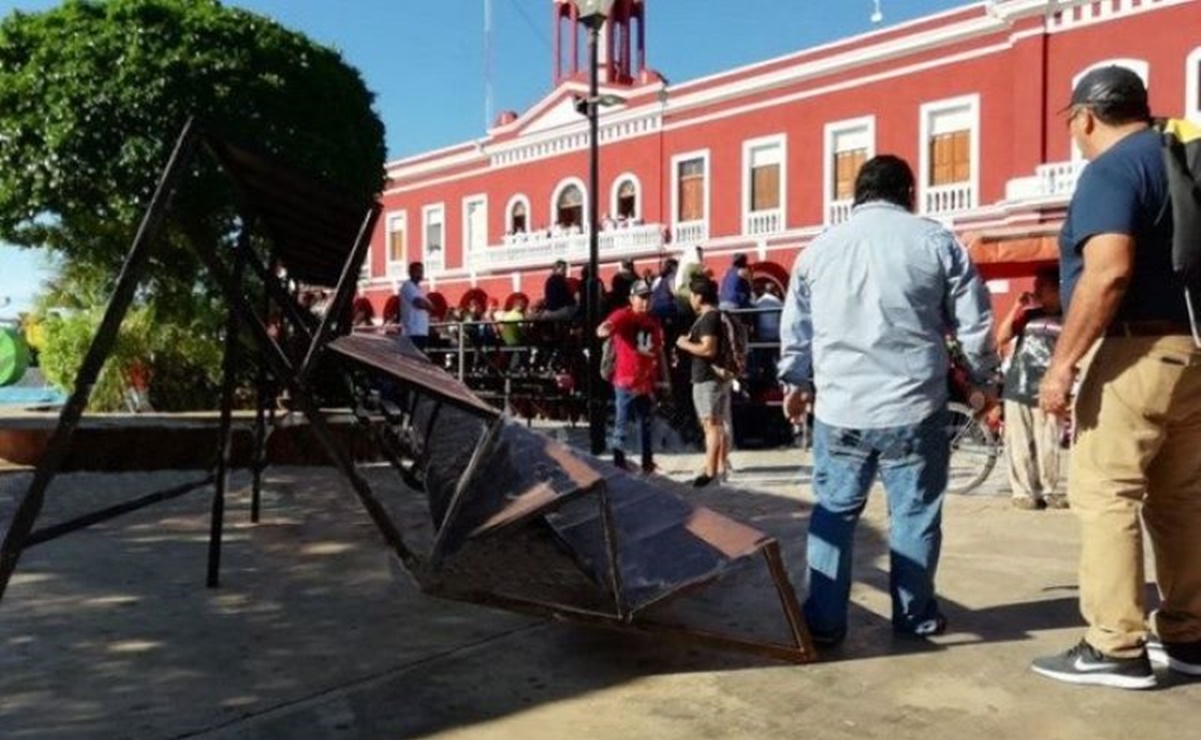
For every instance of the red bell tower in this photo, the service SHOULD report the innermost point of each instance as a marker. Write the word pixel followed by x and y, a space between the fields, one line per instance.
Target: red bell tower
pixel 622 54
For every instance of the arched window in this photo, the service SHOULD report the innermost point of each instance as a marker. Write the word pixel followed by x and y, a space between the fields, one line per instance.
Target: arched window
pixel 517 215
pixel 625 198
pixel 569 205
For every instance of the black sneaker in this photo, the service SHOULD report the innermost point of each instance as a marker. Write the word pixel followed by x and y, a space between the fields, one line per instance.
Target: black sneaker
pixel 619 459
pixel 1182 657
pixel 928 628
pixel 1084 664
pixel 702 480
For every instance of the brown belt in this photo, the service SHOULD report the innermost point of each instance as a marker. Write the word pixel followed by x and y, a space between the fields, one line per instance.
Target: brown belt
pixel 1147 329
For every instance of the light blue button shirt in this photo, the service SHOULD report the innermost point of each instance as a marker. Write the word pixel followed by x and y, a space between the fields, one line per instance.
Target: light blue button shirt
pixel 868 310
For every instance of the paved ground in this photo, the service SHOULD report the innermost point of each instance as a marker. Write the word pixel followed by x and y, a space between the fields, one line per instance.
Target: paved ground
pixel 110 634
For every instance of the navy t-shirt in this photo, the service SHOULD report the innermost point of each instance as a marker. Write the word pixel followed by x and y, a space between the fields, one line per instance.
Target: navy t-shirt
pixel 1125 191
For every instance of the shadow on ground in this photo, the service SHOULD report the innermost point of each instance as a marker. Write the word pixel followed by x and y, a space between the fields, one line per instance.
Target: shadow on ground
pixel 110 633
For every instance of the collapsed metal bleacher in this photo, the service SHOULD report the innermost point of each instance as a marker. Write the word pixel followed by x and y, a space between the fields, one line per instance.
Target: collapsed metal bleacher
pixel 517 519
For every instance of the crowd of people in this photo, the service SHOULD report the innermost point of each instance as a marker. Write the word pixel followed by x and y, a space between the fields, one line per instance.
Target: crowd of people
pixel 864 333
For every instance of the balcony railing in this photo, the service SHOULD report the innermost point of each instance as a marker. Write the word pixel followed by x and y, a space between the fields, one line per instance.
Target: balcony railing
pixel 1059 178
pixel 687 233
pixel 1053 181
pixel 838 211
pixel 948 198
pixel 761 223
pixel 528 250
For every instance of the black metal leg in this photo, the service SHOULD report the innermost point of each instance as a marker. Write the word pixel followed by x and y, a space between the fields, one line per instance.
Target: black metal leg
pixel 259 462
pixel 102 344
pixel 225 435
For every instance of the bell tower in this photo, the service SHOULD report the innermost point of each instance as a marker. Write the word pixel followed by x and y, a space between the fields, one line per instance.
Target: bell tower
pixel 622 53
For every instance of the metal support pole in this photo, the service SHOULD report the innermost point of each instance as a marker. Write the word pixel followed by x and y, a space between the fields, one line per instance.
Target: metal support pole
pixel 596 405
pixel 102 344
pixel 225 435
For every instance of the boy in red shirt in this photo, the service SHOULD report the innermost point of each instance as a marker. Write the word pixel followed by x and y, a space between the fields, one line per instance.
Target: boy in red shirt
pixel 638 347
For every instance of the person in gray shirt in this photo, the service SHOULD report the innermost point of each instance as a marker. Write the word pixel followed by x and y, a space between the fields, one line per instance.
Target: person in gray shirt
pixel 869 308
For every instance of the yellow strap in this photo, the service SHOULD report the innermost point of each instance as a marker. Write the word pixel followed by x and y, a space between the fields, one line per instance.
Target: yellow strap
pixel 1183 129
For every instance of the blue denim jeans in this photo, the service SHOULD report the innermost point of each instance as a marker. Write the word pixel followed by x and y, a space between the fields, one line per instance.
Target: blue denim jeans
pixel 642 407
pixel 912 461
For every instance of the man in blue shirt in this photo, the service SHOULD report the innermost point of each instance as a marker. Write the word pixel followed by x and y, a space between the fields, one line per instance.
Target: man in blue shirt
pixel 735 289
pixel 1138 409
pixel 869 307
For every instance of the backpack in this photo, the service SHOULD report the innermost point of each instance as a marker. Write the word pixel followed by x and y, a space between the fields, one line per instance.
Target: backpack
pixel 731 348
pixel 608 359
pixel 1182 158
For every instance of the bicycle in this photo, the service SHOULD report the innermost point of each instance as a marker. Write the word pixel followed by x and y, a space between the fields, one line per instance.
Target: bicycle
pixel 975 448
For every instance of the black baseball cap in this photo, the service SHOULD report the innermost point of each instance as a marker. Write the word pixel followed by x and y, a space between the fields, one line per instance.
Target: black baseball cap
pixel 1111 87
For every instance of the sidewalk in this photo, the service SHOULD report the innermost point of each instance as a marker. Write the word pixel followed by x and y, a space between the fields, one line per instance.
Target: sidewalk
pixel 110 633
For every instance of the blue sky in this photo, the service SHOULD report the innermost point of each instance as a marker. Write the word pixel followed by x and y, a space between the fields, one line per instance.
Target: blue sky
pixel 425 59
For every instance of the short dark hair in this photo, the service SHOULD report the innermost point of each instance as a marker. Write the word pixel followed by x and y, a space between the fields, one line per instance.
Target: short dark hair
pixel 415 265
pixel 740 260
pixel 1048 275
pixel 705 289
pixel 885 177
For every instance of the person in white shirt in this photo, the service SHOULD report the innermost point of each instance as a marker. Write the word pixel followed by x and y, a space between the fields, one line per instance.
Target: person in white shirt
pixel 415 307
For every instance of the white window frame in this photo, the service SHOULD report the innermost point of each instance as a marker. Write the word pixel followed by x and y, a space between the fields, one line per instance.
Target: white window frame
pixel 928 112
pixel 529 213
pixel 558 191
pixel 426 212
pixel 468 255
pixel 394 268
pixel 865 125
pixel 1192 86
pixel 623 177
pixel 1139 66
pixel 779 141
pixel 676 160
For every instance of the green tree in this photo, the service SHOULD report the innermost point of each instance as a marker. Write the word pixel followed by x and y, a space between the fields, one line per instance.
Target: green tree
pixel 92 97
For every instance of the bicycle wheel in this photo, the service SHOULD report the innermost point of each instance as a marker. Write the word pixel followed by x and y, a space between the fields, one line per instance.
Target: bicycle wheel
pixel 974 449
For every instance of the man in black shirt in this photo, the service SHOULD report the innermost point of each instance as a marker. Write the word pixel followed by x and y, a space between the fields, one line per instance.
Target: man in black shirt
pixel 558 302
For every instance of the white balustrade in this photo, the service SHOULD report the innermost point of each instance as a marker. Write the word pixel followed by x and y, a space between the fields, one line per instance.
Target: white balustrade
pixel 760 223
pixel 1059 178
pixel 1078 12
pixel 838 211
pixel 527 250
pixel 948 198
pixel 689 233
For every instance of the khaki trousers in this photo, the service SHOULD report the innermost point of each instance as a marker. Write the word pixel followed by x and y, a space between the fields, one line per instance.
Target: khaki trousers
pixel 1032 448
pixel 1138 450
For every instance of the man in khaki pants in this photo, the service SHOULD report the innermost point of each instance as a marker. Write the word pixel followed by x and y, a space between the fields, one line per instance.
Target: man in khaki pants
pixel 1032 436
pixel 1138 412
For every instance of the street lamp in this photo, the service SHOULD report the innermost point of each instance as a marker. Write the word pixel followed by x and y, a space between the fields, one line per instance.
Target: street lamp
pixel 592 13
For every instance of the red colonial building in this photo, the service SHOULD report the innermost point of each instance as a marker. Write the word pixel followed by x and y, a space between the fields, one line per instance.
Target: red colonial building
pixel 761 158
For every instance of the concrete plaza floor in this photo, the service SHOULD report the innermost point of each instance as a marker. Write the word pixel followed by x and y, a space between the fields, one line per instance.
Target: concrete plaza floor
pixel 110 633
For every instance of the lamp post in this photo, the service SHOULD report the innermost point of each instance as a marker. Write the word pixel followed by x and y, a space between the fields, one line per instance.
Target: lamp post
pixel 592 13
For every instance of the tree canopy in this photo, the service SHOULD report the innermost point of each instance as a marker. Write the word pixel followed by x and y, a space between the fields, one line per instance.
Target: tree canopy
pixel 93 94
